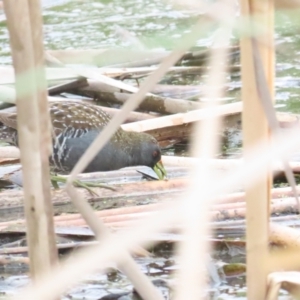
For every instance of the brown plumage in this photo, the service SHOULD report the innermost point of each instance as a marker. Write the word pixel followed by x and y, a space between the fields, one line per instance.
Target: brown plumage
pixel 75 126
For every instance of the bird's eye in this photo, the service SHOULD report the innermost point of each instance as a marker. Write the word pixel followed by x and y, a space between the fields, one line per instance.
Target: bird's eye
pixel 155 153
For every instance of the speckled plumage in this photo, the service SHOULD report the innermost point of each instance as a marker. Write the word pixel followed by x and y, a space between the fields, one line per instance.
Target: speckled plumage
pixel 75 126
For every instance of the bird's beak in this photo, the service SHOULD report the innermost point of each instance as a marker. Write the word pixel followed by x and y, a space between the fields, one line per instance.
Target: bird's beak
pixel 159 169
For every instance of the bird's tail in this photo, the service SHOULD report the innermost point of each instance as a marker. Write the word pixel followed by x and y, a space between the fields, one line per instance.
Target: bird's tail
pixel 7 134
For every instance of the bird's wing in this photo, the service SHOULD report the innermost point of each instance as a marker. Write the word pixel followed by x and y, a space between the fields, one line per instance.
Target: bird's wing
pixel 75 119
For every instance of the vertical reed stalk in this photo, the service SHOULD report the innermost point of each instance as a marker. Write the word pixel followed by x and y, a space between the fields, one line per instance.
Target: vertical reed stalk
pixel 256 129
pixel 27 53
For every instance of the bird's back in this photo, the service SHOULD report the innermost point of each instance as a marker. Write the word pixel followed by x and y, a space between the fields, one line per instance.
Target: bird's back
pixel 74 126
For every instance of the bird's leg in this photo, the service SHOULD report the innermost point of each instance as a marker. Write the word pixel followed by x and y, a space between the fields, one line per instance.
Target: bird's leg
pixel 137 82
pixel 87 185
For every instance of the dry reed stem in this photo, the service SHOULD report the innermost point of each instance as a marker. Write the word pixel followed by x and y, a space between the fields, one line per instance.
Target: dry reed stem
pixel 26 45
pixel 184 118
pixel 257 129
pixel 194 249
pixel 277 193
pixel 123 217
pixel 285 236
pixel 9 152
pixel 46 232
pixel 287 4
pixel 288 281
pixel 287 259
pixel 4 260
pixel 240 196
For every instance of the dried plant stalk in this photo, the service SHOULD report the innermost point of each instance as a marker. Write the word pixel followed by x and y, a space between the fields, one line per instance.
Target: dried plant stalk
pixel 256 128
pixel 184 118
pixel 38 209
pixel 44 123
pixel 195 248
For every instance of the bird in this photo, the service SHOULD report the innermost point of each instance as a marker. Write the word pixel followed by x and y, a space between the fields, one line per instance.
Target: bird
pixel 75 125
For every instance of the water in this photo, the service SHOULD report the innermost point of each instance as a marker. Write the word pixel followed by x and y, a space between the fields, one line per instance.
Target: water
pixel 154 24
pixel 102 24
